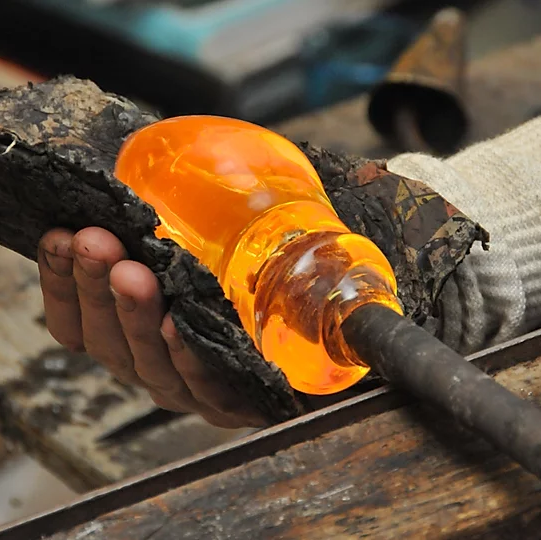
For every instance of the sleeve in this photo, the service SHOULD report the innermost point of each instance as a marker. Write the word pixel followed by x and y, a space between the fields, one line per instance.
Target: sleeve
pixel 496 295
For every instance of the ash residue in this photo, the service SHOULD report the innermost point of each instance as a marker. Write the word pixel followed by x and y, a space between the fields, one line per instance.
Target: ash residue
pixel 53 365
pixel 99 405
pixel 54 374
pixel 49 417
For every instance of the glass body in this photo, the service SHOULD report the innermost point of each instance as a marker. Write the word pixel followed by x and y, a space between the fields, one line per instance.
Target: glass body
pixel 250 206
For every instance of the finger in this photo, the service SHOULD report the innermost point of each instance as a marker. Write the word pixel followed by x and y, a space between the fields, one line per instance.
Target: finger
pixel 140 309
pixel 172 403
pixel 181 401
pixel 96 251
pixel 206 387
pixel 230 421
pixel 62 314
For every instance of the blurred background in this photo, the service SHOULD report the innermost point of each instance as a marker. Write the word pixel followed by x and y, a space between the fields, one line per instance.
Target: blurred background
pixel 261 60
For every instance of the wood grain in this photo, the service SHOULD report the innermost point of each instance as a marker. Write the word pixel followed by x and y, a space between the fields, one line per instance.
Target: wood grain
pixel 403 474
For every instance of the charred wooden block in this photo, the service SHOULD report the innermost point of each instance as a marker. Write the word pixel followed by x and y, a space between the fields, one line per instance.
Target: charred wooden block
pixel 58 145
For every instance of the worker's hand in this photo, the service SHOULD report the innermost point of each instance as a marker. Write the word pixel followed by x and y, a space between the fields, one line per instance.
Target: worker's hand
pixel 99 302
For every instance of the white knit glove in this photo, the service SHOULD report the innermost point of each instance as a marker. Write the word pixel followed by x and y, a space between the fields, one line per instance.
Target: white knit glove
pixel 496 295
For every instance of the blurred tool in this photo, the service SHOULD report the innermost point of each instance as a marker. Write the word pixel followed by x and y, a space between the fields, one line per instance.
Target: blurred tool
pixel 351 56
pixel 419 106
pixel 230 57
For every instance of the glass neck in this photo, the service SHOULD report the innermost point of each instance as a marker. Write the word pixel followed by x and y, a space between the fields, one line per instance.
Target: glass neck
pixel 264 237
pixel 316 281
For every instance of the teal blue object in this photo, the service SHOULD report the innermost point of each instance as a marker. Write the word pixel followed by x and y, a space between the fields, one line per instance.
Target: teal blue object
pixel 164 29
pixel 349 59
pixel 339 80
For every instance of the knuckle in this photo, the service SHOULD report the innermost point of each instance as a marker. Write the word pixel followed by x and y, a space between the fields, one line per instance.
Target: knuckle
pixel 140 336
pixel 119 367
pixel 68 342
pixel 128 378
pixel 75 347
pixel 222 405
pixel 121 371
pixel 113 362
pixel 96 298
pixel 227 404
pixel 155 382
pixel 169 404
pixel 195 372
pixel 223 422
pixel 64 293
pixel 94 350
pixel 213 394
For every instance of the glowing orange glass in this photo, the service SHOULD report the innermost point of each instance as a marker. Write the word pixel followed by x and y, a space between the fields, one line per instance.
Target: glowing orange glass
pixel 248 203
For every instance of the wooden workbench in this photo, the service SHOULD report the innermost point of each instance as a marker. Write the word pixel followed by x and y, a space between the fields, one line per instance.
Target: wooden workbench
pixel 406 474
pixel 55 404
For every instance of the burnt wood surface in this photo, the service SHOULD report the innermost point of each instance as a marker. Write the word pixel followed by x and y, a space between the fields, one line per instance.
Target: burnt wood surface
pixel 58 143
pixel 409 473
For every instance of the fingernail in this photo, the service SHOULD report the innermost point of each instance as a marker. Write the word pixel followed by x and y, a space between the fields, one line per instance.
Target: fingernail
pixel 92 268
pixel 61 266
pixel 126 303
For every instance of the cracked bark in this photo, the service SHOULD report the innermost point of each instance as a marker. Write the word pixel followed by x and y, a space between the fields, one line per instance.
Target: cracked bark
pixel 58 145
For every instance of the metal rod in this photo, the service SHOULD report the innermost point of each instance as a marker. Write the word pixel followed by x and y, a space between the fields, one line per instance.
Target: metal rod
pixel 412 359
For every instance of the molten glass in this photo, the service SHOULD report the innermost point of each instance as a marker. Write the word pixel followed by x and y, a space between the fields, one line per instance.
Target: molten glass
pixel 250 206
